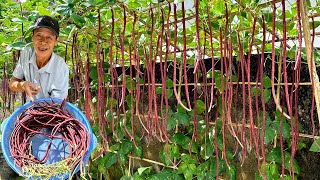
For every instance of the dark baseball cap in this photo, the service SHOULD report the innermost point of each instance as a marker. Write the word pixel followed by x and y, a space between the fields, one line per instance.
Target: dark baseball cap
pixel 47 22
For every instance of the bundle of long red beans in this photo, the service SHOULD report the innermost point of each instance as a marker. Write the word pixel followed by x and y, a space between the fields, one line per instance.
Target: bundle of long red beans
pixel 63 125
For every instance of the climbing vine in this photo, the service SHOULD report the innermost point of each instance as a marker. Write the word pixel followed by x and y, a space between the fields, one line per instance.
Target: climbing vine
pixel 204 82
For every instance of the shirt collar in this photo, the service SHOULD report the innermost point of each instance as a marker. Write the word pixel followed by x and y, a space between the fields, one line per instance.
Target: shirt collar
pixel 49 67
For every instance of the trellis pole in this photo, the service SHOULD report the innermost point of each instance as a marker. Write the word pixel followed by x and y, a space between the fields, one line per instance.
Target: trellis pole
pixel 311 64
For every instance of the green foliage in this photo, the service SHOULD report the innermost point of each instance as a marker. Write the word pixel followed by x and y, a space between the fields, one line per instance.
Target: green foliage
pixel 166 174
pixel 138 152
pixel 266 89
pixel 206 150
pixel 183 141
pixel 275 157
pixel 315 147
pixel 231 172
pixel 202 170
pixel 187 167
pixel 201 107
pixel 126 147
pixel 80 17
pixel 182 118
pixel 171 123
pixel 109 160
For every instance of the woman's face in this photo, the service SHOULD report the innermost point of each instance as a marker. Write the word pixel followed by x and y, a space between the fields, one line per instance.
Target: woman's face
pixel 44 41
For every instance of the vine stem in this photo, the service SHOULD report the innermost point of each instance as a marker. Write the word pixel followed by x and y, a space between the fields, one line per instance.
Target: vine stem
pixel 142 159
pixel 273 59
pixel 21 11
pixel 197 36
pixel 87 90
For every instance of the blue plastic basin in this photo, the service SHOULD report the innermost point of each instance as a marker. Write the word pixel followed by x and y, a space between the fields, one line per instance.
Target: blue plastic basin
pixel 40 142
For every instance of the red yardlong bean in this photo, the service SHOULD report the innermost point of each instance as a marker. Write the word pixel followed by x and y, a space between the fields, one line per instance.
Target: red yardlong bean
pixel 152 128
pixel 131 77
pixel 101 87
pixel 73 64
pixel 286 89
pixel 273 59
pixel 222 96
pixel 153 87
pixel 164 76
pixel 243 132
pixel 87 88
pixel 164 96
pixel 113 75
pixel 213 95
pixel 212 61
pixel 281 144
pixel 257 133
pixel 5 88
pixel 175 58
pixel 147 80
pixel 206 98
pixel 124 80
pixel 35 118
pixel 163 70
pixel 163 81
pixel 123 93
pixel 157 127
pixel 272 81
pixel 284 58
pixel 14 61
pixel 138 92
pixel 262 95
pixel 229 86
pixel 248 78
pixel 185 55
pixel 236 106
pixel 196 5
pixel 295 88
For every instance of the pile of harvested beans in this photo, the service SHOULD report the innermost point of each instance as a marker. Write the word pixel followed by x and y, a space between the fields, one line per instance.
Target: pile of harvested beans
pixel 62 125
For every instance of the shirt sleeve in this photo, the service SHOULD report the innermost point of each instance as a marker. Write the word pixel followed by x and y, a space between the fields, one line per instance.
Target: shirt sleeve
pixel 61 84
